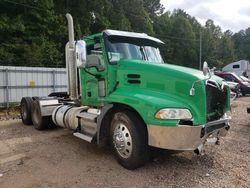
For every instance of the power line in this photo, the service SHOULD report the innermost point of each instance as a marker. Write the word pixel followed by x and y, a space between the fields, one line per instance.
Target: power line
pixel 25 5
pixel 177 38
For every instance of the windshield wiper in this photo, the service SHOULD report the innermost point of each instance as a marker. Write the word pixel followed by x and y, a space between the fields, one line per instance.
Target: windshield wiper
pixel 143 53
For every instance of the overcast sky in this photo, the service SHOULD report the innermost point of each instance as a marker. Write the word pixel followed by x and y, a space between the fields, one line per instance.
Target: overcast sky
pixel 228 14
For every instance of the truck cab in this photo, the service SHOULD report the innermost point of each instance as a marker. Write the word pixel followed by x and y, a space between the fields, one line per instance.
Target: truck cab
pixel 122 93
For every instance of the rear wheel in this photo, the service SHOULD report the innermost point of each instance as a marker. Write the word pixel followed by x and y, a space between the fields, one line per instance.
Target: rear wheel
pixel 26 108
pixel 129 140
pixel 40 122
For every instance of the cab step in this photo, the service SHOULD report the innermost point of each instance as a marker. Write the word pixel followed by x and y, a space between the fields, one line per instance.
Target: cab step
pixel 83 137
pixel 87 123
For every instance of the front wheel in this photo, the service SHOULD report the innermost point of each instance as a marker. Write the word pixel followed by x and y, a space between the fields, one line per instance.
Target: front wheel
pixel 128 138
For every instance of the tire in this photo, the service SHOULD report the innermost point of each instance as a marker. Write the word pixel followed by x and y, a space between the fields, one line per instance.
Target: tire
pixel 128 138
pixel 26 108
pixel 243 92
pixel 40 122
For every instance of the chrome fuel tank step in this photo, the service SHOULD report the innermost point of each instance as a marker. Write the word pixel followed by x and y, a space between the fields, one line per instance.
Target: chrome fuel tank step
pixel 88 123
pixel 81 119
pixel 66 116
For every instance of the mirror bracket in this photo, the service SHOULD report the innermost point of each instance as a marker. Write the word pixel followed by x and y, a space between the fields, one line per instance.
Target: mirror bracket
pixel 206 71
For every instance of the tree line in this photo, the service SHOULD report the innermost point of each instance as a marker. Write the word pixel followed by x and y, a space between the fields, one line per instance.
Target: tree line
pixel 34 32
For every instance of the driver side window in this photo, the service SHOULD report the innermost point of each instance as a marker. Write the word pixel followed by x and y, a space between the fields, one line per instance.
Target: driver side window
pixel 95 57
pixel 94 49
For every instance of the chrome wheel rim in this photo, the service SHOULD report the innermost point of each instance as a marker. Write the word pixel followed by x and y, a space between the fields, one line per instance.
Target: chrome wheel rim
pixel 122 140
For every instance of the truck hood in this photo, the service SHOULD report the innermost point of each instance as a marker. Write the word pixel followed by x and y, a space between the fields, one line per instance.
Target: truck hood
pixel 163 78
pixel 162 69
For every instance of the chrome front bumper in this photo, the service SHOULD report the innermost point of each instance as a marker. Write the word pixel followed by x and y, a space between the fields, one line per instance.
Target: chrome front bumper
pixel 185 137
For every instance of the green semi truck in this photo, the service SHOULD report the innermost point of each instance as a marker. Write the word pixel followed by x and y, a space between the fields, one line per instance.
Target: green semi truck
pixel 121 93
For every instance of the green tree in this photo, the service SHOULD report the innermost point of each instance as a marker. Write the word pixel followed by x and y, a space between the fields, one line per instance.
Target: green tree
pixel 29 34
pixel 138 16
pixel 226 52
pixel 154 8
pixel 162 28
pixel 180 41
pixel 242 44
pixel 211 36
pixel 117 16
pixel 34 32
pixel 184 52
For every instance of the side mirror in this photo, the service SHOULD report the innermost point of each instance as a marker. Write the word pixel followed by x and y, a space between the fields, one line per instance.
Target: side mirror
pixel 205 68
pixel 80 53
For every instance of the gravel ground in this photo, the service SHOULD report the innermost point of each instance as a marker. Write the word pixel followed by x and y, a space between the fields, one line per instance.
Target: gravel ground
pixel 11 113
pixel 55 158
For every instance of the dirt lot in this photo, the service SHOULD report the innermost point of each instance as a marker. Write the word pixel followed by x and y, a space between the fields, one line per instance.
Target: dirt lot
pixel 55 158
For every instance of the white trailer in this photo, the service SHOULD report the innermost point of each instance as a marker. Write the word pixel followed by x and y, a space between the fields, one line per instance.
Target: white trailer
pixel 241 67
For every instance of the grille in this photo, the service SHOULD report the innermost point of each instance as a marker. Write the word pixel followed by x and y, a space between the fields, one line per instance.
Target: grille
pixel 216 101
pixel 210 129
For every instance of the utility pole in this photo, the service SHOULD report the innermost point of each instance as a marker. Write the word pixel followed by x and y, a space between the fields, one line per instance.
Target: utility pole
pixel 200 48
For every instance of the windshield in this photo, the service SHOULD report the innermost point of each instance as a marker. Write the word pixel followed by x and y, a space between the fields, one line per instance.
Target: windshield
pixel 122 50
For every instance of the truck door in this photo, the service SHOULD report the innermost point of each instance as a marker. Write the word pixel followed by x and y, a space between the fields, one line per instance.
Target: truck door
pixel 93 76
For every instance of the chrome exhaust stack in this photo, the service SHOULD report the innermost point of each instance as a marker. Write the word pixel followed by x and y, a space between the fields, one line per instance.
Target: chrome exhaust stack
pixel 71 61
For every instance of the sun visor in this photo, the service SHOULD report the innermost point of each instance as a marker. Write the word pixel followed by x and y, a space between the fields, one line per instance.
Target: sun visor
pixel 131 37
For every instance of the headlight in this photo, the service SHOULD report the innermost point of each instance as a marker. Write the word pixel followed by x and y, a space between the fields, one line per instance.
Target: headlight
pixel 173 113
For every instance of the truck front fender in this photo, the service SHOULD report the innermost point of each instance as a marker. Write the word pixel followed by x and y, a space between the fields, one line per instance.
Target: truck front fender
pixel 147 103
